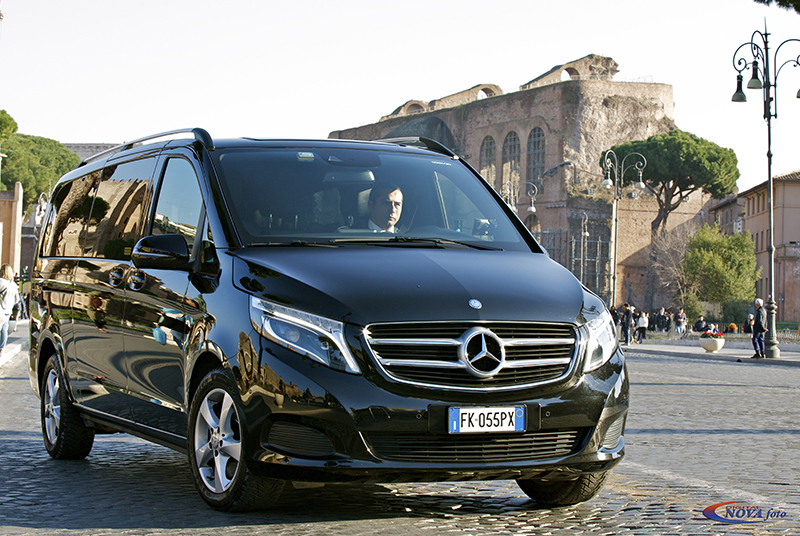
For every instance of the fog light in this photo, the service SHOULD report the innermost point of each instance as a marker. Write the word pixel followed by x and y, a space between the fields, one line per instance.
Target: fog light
pixel 613 434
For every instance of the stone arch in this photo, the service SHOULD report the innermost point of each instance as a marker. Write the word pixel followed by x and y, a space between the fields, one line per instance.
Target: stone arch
pixel 570 73
pixel 414 107
pixel 485 92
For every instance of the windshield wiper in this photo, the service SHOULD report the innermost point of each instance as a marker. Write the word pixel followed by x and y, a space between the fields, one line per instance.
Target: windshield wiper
pixel 445 241
pixel 293 243
pixel 440 242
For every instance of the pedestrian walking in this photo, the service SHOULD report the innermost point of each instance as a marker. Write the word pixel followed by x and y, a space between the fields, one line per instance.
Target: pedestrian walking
pixel 680 321
pixel 642 323
pixel 662 320
pixel 759 328
pixel 626 322
pixel 748 324
pixel 9 297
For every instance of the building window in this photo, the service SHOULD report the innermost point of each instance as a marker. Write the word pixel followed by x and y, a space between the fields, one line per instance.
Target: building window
pixel 488 163
pixel 511 168
pixel 532 223
pixel 535 154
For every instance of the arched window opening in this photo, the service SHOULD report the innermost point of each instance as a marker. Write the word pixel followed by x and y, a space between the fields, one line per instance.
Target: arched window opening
pixel 535 168
pixel 485 93
pixel 488 160
pixel 414 109
pixel 570 74
pixel 532 223
pixel 511 169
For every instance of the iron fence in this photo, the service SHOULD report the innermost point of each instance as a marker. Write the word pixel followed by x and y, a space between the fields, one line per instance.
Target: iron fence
pixel 589 260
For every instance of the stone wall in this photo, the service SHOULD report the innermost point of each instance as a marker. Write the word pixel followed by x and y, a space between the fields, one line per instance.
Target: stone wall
pixel 10 225
pixel 85 150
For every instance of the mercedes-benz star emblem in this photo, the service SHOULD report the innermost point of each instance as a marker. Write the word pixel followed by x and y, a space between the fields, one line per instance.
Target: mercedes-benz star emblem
pixel 482 352
pixel 475 304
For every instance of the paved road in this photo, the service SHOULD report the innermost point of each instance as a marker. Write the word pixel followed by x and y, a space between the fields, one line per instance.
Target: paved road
pixel 701 432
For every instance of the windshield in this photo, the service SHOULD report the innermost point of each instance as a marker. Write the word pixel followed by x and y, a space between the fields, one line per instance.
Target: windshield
pixel 337 196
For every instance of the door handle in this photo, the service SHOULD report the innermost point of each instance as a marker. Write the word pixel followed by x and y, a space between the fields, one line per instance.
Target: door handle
pixel 136 280
pixel 115 277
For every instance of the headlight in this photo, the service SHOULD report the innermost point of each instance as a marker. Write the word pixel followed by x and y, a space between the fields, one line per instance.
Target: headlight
pixel 602 341
pixel 317 337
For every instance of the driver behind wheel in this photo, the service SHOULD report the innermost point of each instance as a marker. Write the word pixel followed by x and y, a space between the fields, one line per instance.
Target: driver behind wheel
pixel 385 206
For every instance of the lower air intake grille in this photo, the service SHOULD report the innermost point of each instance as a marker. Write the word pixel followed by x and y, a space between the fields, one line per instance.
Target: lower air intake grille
pixel 475 448
pixel 299 440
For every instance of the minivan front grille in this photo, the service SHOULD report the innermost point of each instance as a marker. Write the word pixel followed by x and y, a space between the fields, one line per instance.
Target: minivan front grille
pixel 473 356
pixel 474 448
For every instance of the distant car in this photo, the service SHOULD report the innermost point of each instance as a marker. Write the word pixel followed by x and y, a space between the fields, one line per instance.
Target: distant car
pixel 240 301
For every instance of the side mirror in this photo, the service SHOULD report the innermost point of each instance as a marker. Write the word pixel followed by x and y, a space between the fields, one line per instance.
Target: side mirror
pixel 162 252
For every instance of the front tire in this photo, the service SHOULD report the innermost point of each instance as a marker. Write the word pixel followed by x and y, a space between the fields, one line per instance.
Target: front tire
pixel 564 492
pixel 66 436
pixel 216 454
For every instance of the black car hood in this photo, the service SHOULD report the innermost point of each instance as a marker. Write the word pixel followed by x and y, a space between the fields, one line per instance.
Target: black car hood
pixel 366 284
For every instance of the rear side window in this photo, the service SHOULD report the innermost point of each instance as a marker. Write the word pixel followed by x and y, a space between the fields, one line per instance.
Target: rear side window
pixel 71 208
pixel 117 208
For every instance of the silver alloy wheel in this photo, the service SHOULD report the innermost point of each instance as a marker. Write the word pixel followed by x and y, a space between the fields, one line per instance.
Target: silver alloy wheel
pixel 52 406
pixel 217 440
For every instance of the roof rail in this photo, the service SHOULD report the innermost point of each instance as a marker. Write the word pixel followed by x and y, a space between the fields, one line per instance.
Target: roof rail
pixel 200 135
pixel 427 143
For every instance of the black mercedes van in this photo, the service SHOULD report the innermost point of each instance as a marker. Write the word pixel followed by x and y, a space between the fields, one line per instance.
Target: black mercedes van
pixel 317 311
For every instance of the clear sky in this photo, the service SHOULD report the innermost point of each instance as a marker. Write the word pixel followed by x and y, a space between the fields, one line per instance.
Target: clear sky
pixel 113 70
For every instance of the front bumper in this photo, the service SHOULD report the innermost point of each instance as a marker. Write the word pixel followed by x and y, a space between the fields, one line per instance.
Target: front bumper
pixel 353 430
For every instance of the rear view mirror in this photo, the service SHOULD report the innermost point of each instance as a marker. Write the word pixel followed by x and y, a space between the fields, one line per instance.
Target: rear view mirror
pixel 163 252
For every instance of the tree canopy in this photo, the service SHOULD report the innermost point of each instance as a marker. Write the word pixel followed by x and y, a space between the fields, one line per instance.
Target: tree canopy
pixel 785 4
pixel 678 164
pixel 722 268
pixel 35 162
pixel 8 127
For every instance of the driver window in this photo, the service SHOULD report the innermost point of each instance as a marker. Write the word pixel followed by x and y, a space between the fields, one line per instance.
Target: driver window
pixel 180 203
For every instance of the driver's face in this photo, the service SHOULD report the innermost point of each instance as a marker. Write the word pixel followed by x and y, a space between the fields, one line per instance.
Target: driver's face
pixel 385 211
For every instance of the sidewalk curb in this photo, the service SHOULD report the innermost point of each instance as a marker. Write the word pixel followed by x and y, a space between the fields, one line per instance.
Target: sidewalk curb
pixel 742 356
pixel 17 342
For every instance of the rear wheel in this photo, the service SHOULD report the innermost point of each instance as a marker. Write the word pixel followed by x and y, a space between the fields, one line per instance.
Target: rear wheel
pixel 564 492
pixel 66 436
pixel 216 439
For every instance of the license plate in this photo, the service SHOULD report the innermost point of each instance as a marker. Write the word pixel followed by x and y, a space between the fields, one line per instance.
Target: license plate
pixel 481 420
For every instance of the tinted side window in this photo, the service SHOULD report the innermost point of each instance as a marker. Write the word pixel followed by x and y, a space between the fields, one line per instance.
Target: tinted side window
pixel 71 208
pixel 117 210
pixel 179 202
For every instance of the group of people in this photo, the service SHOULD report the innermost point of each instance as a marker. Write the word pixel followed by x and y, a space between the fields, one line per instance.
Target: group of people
pixel 634 324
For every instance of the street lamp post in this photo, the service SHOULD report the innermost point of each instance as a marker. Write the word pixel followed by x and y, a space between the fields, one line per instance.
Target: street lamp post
pixel 584 237
pixel 532 191
pixel 760 64
pixel 612 164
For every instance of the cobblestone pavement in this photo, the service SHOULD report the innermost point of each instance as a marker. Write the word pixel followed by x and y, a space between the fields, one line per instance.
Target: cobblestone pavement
pixel 700 433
